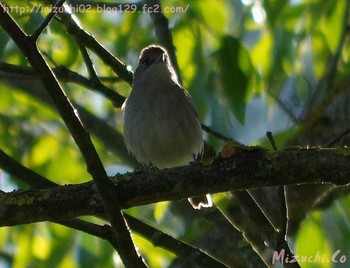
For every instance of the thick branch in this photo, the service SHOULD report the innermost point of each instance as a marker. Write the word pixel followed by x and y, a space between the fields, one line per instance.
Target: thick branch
pixel 155 236
pixel 246 169
pixel 81 137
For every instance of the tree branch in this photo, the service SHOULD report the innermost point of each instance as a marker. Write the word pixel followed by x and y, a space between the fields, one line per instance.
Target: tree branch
pixel 163 33
pixel 46 21
pixel 326 83
pixel 13 73
pixel 193 255
pixel 246 169
pixel 125 244
pixel 88 41
pixel 157 237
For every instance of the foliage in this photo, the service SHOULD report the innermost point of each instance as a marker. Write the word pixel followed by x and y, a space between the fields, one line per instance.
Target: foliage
pixel 250 66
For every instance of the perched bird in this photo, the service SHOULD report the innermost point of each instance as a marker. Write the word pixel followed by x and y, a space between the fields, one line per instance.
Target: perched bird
pixel 161 125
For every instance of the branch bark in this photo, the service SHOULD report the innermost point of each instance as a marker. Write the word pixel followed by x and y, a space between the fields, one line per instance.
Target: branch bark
pixel 247 168
pixel 94 165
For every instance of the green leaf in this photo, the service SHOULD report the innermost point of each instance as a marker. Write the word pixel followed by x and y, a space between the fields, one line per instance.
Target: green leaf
pixel 213 13
pixel 160 210
pixel 273 10
pixel 236 69
pixel 312 247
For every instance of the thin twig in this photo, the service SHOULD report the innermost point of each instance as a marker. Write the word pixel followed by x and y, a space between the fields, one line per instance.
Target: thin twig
pixel 215 133
pixel 89 64
pixel 165 39
pixel 271 139
pixel 31 178
pixel 338 138
pixel 163 34
pixel 112 139
pixel 195 256
pixel 67 75
pixel 258 217
pixel 326 82
pixel 126 247
pixel 90 42
pixel 47 20
pixel 97 85
pixel 232 214
pixel 282 242
pixel 284 107
pixel 36 181
pixel 157 237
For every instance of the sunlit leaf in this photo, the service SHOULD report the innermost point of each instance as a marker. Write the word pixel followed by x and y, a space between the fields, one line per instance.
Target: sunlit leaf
pixel 24 243
pixel 213 13
pixel 42 244
pixel 62 48
pixel 45 150
pixel 226 60
pixel 155 256
pixel 332 22
pixel 259 53
pixel 312 245
pixel 160 210
pixel 320 52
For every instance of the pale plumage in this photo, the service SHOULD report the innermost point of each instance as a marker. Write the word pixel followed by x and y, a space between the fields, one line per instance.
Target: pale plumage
pixel 161 126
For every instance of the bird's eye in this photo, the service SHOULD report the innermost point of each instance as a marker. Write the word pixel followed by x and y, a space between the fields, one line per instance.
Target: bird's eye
pixel 146 62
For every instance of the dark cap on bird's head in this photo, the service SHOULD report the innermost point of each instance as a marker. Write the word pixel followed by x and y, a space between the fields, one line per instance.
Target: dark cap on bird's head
pixel 154 61
pixel 153 54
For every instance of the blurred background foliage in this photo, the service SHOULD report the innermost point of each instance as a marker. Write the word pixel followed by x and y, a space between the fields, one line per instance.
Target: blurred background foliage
pixel 250 66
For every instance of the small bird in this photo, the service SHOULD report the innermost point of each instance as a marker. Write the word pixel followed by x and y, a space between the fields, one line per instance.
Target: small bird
pixel 161 125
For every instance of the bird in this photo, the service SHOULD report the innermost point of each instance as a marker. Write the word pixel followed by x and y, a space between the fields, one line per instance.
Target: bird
pixel 161 125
